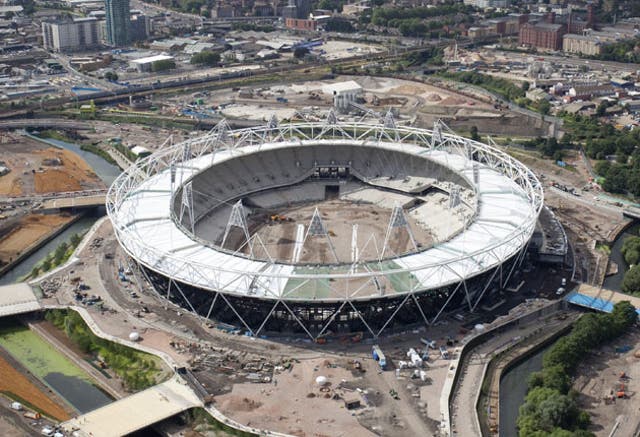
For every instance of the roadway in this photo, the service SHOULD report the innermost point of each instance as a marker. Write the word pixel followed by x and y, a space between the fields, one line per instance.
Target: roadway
pixel 615 67
pixel 45 123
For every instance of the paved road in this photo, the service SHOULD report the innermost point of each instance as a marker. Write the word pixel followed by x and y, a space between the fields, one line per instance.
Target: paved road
pixel 614 67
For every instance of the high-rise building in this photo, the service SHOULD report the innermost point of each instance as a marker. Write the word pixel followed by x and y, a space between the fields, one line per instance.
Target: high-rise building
pixel 118 22
pixel 70 36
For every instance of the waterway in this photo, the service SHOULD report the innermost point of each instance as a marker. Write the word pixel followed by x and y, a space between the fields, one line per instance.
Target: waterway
pixel 24 268
pixel 513 389
pixel 52 368
pixel 105 171
pixel 614 282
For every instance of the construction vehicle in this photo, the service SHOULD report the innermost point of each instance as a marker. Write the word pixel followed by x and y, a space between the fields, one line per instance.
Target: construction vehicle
pixel 276 218
pixel 32 415
pixel 377 354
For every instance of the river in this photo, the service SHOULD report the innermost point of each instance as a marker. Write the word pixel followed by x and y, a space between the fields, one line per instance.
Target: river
pixel 513 389
pixel 54 369
pixel 614 282
pixel 105 171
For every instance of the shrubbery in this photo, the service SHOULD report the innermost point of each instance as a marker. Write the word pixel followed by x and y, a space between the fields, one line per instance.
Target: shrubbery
pixel 136 369
pixel 551 407
pixel 503 87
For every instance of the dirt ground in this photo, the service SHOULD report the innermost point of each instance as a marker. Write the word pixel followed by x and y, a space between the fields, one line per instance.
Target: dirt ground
pixel 9 429
pixel 265 406
pixel 599 374
pixel 37 168
pixel 28 231
pixel 338 217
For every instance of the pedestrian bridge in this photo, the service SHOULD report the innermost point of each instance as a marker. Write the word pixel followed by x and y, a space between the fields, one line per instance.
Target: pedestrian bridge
pixel 74 202
pixel 600 299
pixel 17 299
pixel 137 411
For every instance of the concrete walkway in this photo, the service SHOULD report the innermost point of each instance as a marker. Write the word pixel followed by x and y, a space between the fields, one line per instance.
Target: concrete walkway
pixel 136 411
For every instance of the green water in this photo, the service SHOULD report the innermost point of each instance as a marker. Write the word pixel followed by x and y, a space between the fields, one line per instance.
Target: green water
pixel 51 367
pixel 38 356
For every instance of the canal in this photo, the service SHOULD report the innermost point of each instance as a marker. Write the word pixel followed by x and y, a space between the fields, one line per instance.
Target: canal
pixel 513 389
pixel 614 282
pixel 105 171
pixel 51 367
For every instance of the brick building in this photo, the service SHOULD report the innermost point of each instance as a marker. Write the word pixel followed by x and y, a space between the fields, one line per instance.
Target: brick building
pixel 542 35
pixel 298 24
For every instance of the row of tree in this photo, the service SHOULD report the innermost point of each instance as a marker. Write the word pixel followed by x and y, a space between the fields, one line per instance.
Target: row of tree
pixel 137 369
pixel 551 406
pixel 382 16
pixel 503 87
pixel 623 51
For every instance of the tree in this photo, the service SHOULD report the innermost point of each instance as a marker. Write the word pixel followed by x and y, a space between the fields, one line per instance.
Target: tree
pixel 555 377
pixel 60 252
pixel 206 57
pixel 624 315
pixel 631 250
pixel 163 65
pixel 75 240
pixel 474 133
pixel 339 25
pixel 525 86
pixel 300 52
pixel 111 76
pixel 544 106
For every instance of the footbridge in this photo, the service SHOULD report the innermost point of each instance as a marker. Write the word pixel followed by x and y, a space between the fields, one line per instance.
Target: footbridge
pixel 137 411
pixel 600 299
pixel 17 299
pixel 74 202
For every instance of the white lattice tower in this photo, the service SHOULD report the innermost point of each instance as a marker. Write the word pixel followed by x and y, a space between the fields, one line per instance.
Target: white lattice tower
pixel 436 136
pixel 476 173
pixel 172 172
pixel 238 219
pixel 332 118
pixel 273 122
pixel 454 197
pixel 187 204
pixel 389 121
pixel 316 228
pixel 398 221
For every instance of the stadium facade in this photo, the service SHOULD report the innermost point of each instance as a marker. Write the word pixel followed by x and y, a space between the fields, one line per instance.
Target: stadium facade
pixel 200 218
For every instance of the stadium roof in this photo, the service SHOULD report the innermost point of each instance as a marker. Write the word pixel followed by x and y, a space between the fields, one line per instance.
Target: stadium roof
pixel 504 222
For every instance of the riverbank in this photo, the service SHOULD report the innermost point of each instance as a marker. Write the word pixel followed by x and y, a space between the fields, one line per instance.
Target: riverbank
pixel 488 404
pixel 51 367
pixel 32 235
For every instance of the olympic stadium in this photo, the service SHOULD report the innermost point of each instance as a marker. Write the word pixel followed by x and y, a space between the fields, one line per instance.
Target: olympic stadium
pixel 315 228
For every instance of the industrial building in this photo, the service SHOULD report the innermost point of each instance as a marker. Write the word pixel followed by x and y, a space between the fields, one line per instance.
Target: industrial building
pixel 344 94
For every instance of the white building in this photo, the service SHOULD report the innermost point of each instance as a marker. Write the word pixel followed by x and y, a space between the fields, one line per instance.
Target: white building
pixel 344 93
pixel 70 36
pixel 146 64
pixel 484 4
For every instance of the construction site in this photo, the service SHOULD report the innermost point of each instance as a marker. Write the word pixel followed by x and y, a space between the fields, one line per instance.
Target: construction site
pixel 360 370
